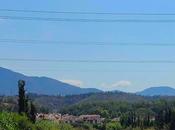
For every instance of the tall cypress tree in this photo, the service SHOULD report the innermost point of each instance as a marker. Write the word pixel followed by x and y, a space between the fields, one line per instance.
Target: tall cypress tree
pixel 23 102
pixel 26 105
pixel 32 112
pixel 172 123
pixel 22 98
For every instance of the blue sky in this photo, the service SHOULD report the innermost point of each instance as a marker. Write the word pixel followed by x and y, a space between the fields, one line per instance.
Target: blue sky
pixel 106 76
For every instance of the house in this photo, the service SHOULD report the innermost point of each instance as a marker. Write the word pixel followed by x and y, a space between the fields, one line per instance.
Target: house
pixel 94 119
pixel 69 118
pixel 53 116
pixel 116 119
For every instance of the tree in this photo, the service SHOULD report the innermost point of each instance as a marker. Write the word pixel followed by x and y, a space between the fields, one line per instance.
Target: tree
pixel 22 101
pixel 27 105
pixel 32 112
pixel 172 121
pixel 160 120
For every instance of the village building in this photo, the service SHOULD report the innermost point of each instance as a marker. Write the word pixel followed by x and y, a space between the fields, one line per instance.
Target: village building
pixel 93 119
pixel 69 118
pixel 53 117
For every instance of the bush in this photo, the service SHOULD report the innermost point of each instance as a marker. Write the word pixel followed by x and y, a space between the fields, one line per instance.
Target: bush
pixel 50 125
pixel 113 126
pixel 14 121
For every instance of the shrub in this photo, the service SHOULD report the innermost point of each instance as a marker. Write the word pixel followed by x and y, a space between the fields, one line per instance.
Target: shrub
pixel 113 126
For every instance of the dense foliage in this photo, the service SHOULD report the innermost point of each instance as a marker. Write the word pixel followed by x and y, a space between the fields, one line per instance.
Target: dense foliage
pixel 121 111
pixel 47 104
pixel 159 114
pixel 13 121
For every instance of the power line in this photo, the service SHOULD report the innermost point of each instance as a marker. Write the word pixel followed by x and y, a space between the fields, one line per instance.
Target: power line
pixel 96 43
pixel 88 20
pixel 87 61
pixel 84 13
pixel 90 70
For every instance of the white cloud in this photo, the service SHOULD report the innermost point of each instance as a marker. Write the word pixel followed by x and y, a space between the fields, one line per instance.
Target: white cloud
pixel 104 85
pixel 73 82
pixel 122 84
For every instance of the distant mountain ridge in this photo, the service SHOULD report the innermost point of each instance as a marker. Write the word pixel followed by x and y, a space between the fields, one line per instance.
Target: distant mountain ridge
pixel 158 91
pixel 39 85
pixel 48 86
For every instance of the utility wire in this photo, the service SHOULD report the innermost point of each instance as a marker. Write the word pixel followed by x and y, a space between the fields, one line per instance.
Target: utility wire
pixel 91 70
pixel 86 61
pixel 84 13
pixel 96 43
pixel 88 20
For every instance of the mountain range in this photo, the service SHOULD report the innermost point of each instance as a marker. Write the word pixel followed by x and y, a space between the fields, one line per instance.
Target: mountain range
pixel 40 85
pixel 158 91
pixel 47 86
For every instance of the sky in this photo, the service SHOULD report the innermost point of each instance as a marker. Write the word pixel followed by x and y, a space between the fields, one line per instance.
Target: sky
pixel 129 77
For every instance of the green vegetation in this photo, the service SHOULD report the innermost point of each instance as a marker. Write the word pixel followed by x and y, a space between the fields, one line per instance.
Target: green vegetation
pixel 46 104
pixel 14 121
pixel 158 114
pixel 113 126
pixel 23 104
pixel 23 100
pixel 119 111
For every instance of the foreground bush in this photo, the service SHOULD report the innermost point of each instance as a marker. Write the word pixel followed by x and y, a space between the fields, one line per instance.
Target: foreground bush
pixel 113 126
pixel 50 125
pixel 13 121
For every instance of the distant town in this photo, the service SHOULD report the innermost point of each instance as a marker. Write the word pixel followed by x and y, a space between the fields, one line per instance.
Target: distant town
pixel 93 119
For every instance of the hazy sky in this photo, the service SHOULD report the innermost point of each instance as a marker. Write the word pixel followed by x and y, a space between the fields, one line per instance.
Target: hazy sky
pixel 107 76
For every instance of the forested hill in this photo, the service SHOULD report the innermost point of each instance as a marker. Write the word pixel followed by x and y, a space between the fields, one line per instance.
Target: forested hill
pixel 56 103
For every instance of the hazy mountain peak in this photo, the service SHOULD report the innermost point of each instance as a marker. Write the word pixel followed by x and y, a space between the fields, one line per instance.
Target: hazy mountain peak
pixel 158 91
pixel 39 85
